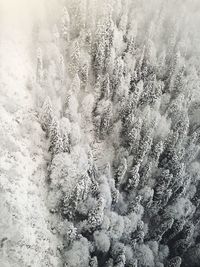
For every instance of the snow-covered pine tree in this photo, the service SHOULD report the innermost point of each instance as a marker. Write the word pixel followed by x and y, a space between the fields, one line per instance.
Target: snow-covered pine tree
pixel 56 142
pixel 46 115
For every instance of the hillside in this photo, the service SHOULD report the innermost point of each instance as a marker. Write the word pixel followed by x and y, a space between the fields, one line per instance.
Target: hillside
pixel 100 133
pixel 25 228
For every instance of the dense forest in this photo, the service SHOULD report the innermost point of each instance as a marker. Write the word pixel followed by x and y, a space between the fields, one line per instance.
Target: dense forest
pixel 118 100
pixel 124 174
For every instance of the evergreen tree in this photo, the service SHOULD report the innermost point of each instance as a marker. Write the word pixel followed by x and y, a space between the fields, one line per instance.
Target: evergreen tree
pixel 40 66
pixel 65 25
pixel 56 142
pixel 95 216
pixel 75 58
pixel 46 115
pixel 133 178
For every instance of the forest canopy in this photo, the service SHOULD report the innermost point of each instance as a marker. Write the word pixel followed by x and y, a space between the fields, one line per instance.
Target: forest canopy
pixel 121 115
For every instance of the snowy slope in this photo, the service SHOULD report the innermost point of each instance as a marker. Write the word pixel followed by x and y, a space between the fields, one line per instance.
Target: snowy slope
pixel 25 231
pixel 119 101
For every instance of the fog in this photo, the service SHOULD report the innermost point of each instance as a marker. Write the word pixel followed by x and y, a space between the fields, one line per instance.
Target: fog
pixel 23 14
pixel 100 138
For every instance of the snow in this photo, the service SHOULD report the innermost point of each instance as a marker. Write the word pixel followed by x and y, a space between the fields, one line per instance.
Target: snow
pixel 25 226
pixel 33 230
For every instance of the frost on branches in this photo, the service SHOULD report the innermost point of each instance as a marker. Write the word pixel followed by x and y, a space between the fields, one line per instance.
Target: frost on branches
pixel 124 134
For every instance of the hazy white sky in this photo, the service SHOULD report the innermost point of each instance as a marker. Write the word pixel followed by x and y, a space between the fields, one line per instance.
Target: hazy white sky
pixel 21 12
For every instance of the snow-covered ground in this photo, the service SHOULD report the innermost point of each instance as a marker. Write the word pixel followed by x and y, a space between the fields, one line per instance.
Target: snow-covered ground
pixel 103 188
pixel 25 232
